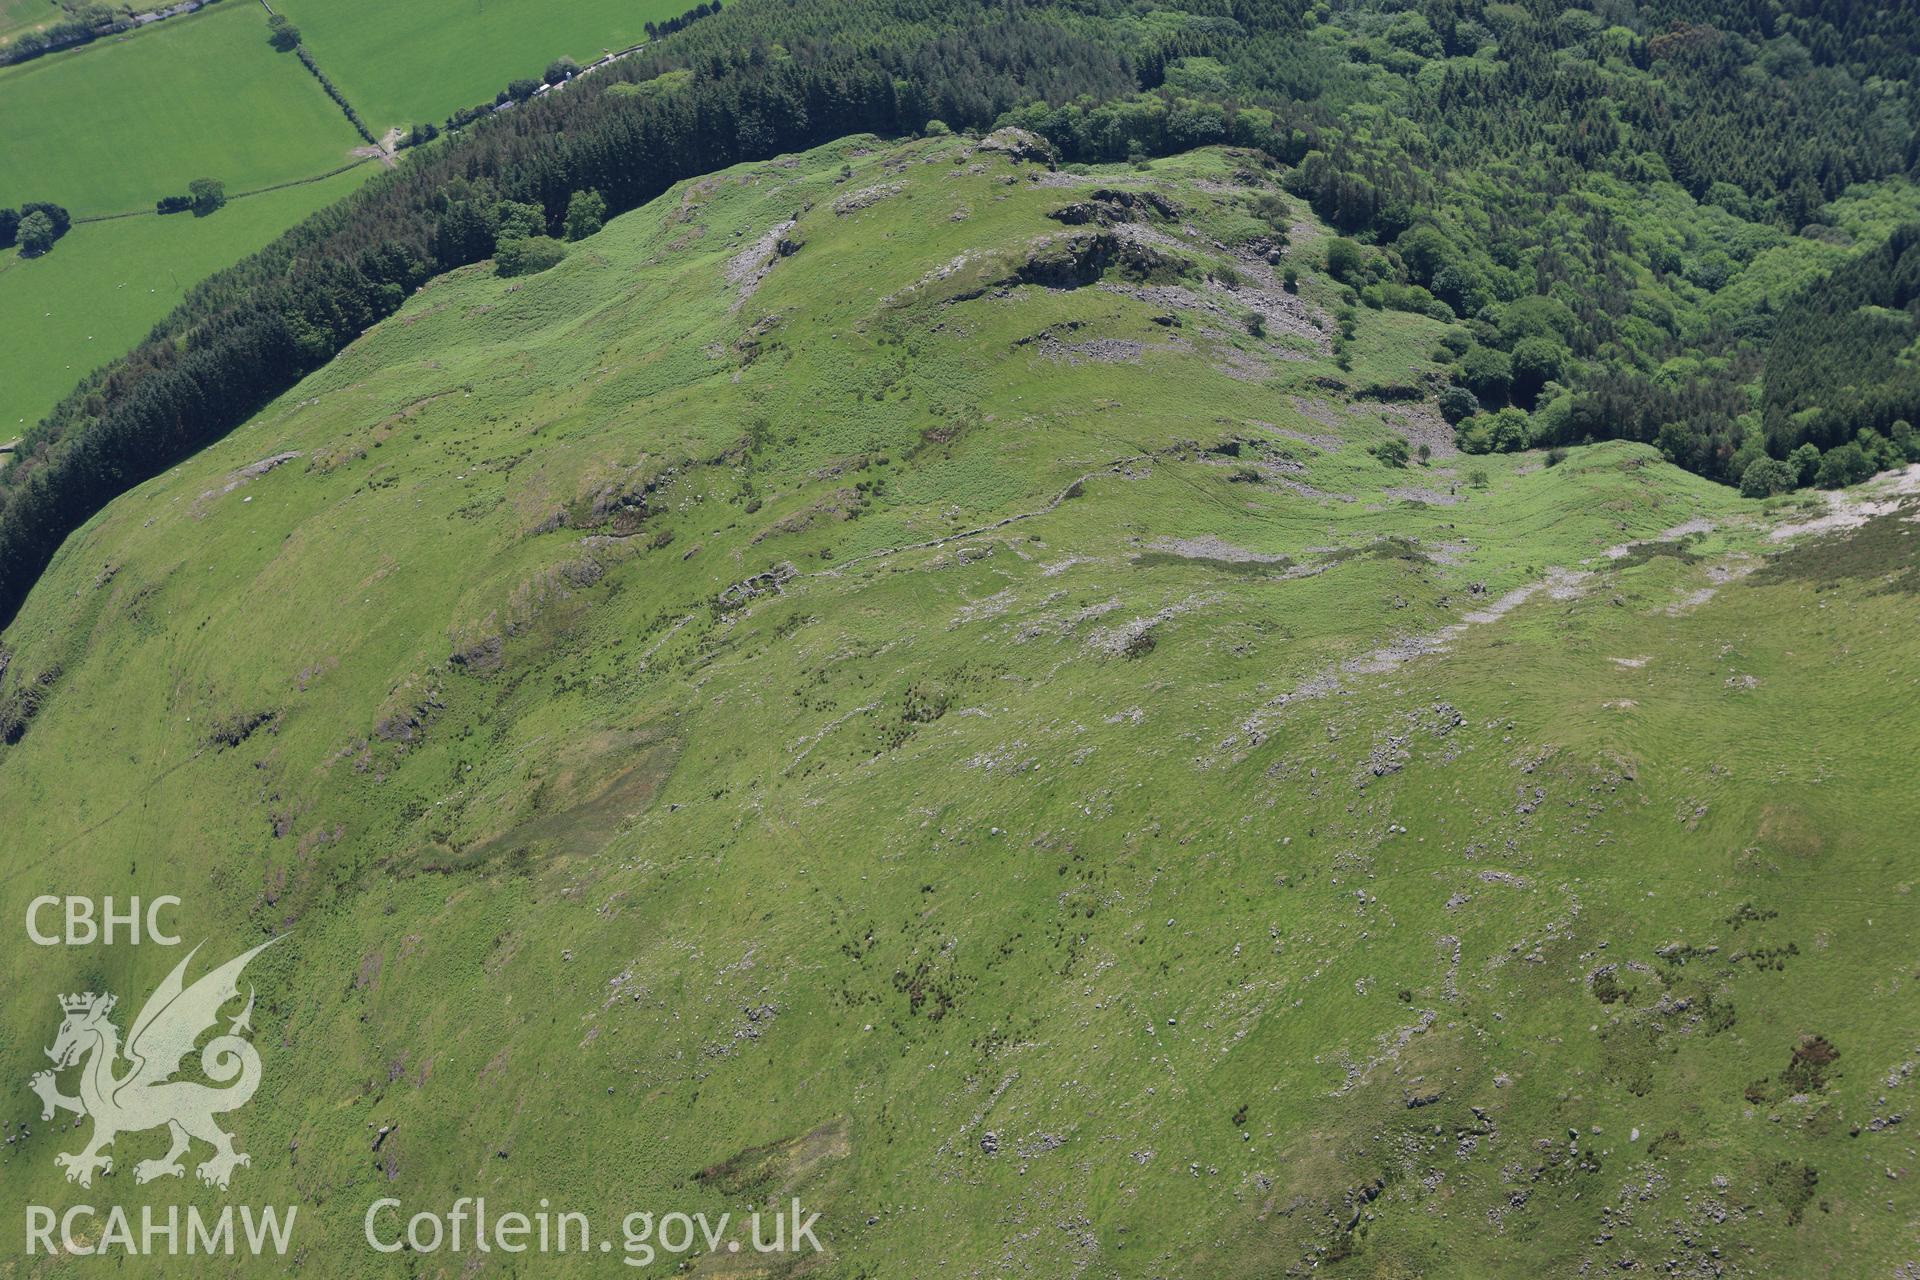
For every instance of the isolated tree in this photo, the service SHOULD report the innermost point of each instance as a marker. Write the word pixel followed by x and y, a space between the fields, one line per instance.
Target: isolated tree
pixel 1392 451
pixel 586 214
pixel 561 70
pixel 282 34
pixel 60 218
pixel 36 234
pixel 9 227
pixel 208 195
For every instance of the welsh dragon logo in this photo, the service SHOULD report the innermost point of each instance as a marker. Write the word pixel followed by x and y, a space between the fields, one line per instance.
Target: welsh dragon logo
pixel 145 1096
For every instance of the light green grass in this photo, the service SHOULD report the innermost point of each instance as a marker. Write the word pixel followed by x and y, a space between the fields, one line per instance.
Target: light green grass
pixel 120 123
pixel 107 283
pixel 401 64
pixel 599 877
pixel 17 16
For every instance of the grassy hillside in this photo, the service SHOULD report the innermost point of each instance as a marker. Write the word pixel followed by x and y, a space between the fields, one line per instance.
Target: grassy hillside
pixel 108 283
pixel 893 676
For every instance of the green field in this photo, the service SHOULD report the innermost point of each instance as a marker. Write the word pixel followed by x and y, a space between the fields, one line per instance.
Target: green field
pixel 107 283
pixel 17 16
pixel 117 124
pixel 24 15
pixel 400 64
pixel 850 687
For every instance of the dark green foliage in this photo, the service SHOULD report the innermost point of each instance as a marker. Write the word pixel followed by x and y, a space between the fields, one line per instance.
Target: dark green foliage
pixel 1457 404
pixel 1345 262
pixel 1805 461
pixel 1505 431
pixel 516 220
pixel 1792 1184
pixel 1392 451
pixel 1488 373
pixel 333 91
pixel 36 234
pixel 527 255
pixel 1425 252
pixel 656 30
pixel 1810 1065
pixel 1538 317
pixel 1906 440
pixel 9 227
pixel 1765 477
pixel 1535 362
pixel 282 34
pixel 206 195
pixel 518 91
pixel 1835 364
pixel 56 215
pixel 1607 987
pixel 586 214
pixel 1841 466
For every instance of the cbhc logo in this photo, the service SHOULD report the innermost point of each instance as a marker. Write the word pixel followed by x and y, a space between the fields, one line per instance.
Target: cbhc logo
pixel 83 927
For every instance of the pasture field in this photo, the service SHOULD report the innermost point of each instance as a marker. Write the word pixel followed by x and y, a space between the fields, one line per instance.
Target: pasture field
pixel 117 124
pixel 107 283
pixel 400 64
pixel 786 703
pixel 17 16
